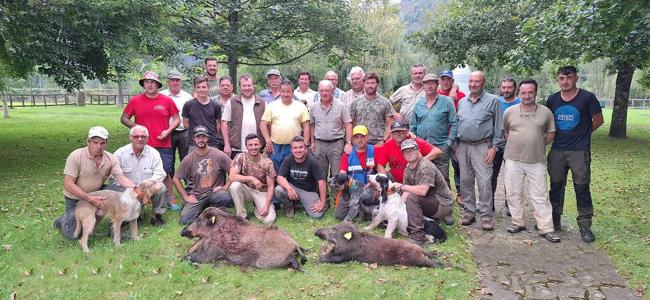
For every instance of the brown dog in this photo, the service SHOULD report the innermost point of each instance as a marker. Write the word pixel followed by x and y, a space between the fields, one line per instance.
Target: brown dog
pixel 231 238
pixel 118 206
pixel 346 243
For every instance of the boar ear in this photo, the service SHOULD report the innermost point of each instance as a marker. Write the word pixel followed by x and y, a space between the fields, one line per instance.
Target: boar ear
pixel 347 235
pixel 213 220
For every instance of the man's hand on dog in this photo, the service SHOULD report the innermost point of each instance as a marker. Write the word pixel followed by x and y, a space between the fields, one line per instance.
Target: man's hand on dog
pixel 97 201
pixel 191 199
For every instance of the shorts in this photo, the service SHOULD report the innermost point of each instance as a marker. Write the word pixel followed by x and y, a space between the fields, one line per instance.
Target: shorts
pixel 167 159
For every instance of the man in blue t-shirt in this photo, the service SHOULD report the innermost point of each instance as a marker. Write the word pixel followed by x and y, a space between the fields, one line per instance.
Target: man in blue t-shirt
pixel 507 91
pixel 577 114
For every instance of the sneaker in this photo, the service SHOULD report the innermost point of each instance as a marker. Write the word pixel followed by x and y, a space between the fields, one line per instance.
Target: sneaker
pixel 174 207
pixel 157 220
pixel 587 235
pixel 449 220
pixel 468 220
pixel 487 225
pixel 515 228
pixel 551 237
pixel 289 211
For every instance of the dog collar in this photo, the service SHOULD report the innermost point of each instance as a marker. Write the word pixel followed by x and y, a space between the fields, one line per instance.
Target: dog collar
pixel 351 184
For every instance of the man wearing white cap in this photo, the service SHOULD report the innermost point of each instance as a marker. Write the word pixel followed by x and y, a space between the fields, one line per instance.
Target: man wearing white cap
pixel 86 170
pixel 153 110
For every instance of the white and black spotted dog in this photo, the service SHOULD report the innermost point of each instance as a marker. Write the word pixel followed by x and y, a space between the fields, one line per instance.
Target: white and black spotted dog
pixel 393 210
pixel 391 207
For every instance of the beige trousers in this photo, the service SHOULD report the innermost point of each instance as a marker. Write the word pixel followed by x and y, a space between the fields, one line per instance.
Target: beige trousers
pixel 240 192
pixel 515 174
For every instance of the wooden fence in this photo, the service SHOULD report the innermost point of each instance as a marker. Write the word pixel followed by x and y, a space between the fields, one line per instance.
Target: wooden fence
pixel 56 99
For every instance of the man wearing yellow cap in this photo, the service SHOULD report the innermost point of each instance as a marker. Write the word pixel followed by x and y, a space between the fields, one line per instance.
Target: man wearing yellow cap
pixel 361 161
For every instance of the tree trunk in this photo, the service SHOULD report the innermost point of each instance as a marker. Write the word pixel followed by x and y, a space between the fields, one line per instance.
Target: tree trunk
pixel 233 22
pixel 5 107
pixel 232 71
pixel 120 96
pixel 618 127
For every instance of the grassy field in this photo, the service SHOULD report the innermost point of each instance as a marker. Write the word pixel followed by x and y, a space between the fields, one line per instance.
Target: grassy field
pixel 37 262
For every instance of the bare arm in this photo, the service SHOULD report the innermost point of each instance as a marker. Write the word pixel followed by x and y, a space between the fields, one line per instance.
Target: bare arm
pixel 306 133
pixel 389 121
pixel 550 136
pixel 176 120
pixel 266 133
pixel 348 138
pixel 126 120
pixel 124 181
pixel 596 121
pixel 181 190
pixel 433 154
pixel 420 190
pixel 186 123
pixel 70 186
pixel 225 132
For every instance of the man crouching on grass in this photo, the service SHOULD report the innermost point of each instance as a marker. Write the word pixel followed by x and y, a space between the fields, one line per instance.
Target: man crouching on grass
pixel 85 171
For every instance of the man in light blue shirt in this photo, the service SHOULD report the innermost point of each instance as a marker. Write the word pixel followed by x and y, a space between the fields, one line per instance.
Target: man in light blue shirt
pixel 435 120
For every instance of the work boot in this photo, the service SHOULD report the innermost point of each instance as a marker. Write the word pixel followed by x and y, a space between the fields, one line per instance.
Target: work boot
pixel 587 235
pixel 487 225
pixel 551 237
pixel 468 219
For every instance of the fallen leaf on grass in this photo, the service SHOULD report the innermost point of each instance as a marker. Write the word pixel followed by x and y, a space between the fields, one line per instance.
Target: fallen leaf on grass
pixel 129 283
pixel 205 280
pixel 61 272
pixel 27 273
pixel 178 293
pixel 155 271
pixel 13 296
pixel 7 247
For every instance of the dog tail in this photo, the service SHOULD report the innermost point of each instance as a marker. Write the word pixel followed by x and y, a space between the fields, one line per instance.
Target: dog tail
pixel 77 229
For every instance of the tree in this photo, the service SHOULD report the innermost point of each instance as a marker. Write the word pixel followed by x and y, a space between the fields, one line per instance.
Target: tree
pixel 268 32
pixel 75 40
pixel 522 35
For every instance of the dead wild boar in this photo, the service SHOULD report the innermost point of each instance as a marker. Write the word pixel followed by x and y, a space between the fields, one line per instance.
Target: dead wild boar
pixel 346 243
pixel 230 238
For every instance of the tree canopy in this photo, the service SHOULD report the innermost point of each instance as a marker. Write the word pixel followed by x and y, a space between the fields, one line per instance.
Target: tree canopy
pixel 523 34
pixel 75 40
pixel 269 32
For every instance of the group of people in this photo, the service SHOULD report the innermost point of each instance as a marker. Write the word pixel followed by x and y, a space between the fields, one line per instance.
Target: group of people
pixel 276 148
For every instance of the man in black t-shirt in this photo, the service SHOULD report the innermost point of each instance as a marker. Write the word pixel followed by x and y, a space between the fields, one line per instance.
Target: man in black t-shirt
pixel 301 178
pixel 577 114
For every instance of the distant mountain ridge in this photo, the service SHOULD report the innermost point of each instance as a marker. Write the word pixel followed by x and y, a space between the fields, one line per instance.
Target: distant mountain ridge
pixel 413 12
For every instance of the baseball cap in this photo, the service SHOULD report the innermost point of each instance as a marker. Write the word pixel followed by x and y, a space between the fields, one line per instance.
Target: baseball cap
pixel 447 73
pixel 408 144
pixel 430 77
pixel 98 131
pixel 360 129
pixel 398 125
pixel 273 72
pixel 174 74
pixel 152 76
pixel 200 130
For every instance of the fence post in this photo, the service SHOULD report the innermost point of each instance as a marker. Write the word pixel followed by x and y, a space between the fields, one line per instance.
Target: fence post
pixel 81 98
pixel 33 100
pixel 44 100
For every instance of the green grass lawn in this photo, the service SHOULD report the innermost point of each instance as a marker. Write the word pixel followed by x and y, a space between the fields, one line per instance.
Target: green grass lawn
pixel 34 143
pixel 37 262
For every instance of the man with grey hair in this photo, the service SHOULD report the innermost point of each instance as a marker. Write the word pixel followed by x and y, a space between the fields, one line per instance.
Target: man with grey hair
pixel 139 162
pixel 334 79
pixel 273 78
pixel 355 77
pixel 331 128
pixel 480 132
pixel 406 96
pixel 85 171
